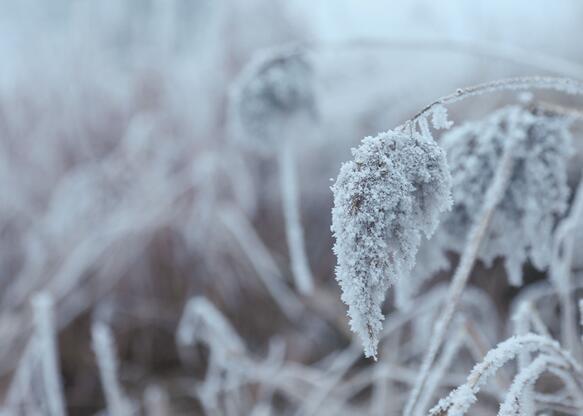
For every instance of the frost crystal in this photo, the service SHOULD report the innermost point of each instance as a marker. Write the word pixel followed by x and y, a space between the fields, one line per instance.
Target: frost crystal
pixel 537 193
pixel 439 118
pixel 274 89
pixel 394 189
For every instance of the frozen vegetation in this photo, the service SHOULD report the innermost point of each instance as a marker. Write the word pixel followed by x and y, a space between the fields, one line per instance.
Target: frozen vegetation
pixel 256 207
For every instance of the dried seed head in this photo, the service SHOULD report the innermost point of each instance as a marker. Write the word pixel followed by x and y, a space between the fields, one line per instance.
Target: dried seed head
pixel 537 193
pixel 394 189
pixel 274 90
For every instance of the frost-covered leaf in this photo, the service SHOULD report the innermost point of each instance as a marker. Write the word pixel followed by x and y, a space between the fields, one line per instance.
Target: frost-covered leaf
pixel 393 190
pixel 522 225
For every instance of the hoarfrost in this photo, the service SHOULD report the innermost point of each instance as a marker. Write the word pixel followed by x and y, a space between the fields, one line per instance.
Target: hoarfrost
pixel 276 88
pixel 394 189
pixel 537 194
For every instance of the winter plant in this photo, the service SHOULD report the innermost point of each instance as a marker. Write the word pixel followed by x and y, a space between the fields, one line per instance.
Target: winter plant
pixel 509 186
pixel 394 190
pixel 166 165
pixel 273 101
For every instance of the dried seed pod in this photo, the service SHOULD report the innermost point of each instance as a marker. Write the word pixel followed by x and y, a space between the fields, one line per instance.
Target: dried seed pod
pixel 537 193
pixel 274 90
pixel 394 189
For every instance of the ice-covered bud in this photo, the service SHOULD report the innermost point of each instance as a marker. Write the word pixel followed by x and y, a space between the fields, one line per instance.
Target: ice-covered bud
pixel 393 190
pixel 274 90
pixel 537 193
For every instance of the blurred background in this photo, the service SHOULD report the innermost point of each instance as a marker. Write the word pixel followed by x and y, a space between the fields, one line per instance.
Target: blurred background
pixel 130 185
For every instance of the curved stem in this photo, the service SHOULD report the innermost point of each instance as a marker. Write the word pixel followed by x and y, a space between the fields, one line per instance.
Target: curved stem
pixel 566 85
pixel 502 52
pixel 461 276
pixel 293 227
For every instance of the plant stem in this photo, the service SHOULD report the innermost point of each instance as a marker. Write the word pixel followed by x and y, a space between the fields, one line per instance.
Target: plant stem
pixel 461 275
pixel 293 226
pixel 566 85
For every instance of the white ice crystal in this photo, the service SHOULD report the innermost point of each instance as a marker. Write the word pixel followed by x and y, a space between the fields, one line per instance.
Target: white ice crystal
pixel 393 190
pixel 537 193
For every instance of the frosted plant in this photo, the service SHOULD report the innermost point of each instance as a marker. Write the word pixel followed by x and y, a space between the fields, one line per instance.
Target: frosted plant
pixel 393 190
pixel 271 104
pixel 518 400
pixel 478 229
pixel 273 90
pixel 522 226
pixel 462 398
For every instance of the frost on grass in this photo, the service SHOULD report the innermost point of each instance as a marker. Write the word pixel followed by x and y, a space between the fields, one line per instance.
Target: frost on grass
pixel 463 397
pixel 393 190
pixel 537 194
